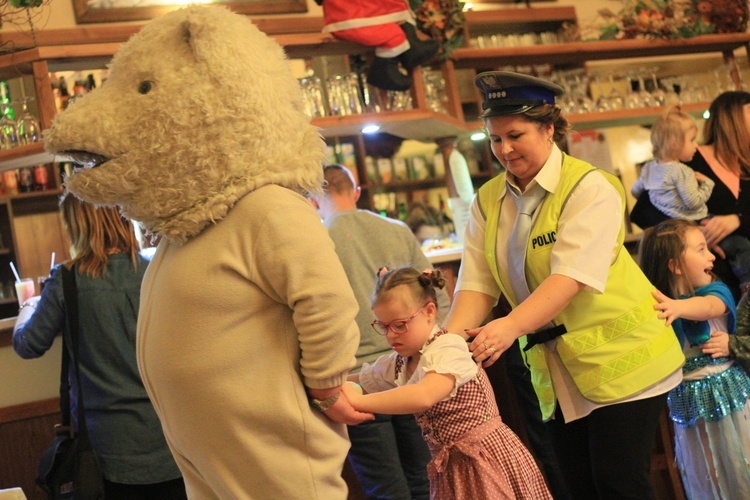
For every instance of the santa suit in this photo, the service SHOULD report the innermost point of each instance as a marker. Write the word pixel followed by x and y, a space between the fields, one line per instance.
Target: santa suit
pixel 370 23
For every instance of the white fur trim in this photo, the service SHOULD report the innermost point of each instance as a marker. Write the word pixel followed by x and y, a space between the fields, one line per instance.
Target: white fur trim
pixel 394 52
pixel 363 22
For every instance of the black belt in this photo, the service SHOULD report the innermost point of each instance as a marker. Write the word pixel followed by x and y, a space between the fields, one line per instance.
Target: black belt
pixel 544 336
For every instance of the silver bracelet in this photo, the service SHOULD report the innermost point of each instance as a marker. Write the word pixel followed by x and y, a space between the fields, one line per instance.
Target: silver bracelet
pixel 29 304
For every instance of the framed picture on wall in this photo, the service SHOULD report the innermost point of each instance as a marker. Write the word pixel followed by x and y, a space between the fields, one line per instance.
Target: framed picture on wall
pixel 102 11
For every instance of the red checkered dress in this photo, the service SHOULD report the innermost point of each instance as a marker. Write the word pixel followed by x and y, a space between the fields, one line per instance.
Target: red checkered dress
pixel 474 454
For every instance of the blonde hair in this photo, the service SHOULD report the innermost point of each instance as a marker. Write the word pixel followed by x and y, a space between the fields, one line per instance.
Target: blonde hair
pixel 95 233
pixel 668 133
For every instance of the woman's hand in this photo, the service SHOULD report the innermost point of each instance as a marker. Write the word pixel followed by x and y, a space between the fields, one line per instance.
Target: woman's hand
pixel 717 228
pixel 493 339
pixel 542 306
pixel 717 346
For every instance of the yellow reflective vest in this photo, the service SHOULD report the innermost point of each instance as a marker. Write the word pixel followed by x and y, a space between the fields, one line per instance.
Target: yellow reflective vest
pixel 616 346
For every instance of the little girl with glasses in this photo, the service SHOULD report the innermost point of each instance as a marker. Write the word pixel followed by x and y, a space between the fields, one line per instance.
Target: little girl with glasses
pixel 710 407
pixel 432 374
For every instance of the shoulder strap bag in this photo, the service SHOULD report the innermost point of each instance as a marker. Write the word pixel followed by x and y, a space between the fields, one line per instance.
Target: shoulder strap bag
pixel 70 468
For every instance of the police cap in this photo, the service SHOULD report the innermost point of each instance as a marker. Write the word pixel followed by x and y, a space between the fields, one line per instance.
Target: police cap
pixel 508 93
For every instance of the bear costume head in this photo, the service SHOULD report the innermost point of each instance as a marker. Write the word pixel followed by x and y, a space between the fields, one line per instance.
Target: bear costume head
pixel 198 109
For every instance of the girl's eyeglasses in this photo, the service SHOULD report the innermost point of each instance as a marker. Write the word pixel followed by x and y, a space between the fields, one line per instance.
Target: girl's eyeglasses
pixel 398 326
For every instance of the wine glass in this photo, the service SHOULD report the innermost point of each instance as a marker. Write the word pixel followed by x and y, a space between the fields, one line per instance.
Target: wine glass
pixel 633 97
pixel 602 101
pixel 647 99
pixel 585 103
pixel 660 97
pixel 671 97
pixel 28 126
pixel 616 98
pixel 567 101
pixel 8 128
pixel 689 93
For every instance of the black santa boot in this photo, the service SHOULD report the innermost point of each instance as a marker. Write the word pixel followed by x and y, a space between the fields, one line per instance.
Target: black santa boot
pixel 385 74
pixel 420 51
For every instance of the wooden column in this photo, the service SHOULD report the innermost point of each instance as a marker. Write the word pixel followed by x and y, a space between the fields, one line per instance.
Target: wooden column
pixel 446 145
pixel 44 98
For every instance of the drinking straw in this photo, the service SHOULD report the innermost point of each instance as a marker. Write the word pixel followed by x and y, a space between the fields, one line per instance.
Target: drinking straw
pixel 15 273
pixel 52 261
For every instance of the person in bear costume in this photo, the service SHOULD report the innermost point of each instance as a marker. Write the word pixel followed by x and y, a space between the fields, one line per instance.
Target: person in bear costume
pixel 247 318
pixel 387 25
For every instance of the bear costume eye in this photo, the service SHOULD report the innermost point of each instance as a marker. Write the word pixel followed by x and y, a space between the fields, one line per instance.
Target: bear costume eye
pixel 145 87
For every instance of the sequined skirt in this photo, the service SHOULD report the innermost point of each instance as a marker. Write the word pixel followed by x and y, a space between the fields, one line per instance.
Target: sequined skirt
pixel 710 398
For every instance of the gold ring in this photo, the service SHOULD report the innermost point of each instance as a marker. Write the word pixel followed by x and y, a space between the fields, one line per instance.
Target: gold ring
pixel 493 350
pixel 485 346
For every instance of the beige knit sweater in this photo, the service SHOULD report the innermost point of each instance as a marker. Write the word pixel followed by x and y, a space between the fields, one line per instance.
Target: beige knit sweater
pixel 233 325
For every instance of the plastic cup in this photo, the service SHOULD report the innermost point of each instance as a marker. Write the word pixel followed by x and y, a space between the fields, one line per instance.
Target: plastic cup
pixel 24 290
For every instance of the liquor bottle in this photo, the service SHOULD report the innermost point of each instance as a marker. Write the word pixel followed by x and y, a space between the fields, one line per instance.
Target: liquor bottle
pixel 79 88
pixel 5 100
pixel 56 95
pixel 90 82
pixel 64 94
pixel 41 178
pixel 26 179
pixel 402 211
pixel 10 182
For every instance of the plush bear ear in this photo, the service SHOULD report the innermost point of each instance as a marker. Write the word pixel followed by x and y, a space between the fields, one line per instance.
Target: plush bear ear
pixel 189 35
pixel 200 34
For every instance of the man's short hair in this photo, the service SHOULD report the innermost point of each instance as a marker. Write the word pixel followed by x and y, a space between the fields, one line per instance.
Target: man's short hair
pixel 339 179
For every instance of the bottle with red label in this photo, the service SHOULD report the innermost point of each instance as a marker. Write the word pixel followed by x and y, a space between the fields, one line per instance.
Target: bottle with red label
pixel 41 178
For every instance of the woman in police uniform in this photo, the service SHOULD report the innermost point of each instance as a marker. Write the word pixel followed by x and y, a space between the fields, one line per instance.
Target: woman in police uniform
pixel 601 361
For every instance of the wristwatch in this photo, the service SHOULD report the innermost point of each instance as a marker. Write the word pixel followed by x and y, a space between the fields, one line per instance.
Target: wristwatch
pixel 323 405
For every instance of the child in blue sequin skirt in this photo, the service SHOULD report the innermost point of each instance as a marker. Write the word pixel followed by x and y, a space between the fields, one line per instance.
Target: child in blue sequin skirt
pixel 710 407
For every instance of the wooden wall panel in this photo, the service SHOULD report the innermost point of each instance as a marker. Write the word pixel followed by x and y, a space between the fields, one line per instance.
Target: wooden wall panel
pixel 25 432
pixel 36 237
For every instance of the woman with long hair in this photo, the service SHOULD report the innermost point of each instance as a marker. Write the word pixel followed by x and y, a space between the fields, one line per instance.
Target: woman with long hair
pixel 724 158
pixel 122 424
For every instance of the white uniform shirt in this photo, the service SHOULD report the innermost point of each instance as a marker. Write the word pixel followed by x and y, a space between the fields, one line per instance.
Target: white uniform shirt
pixel 585 247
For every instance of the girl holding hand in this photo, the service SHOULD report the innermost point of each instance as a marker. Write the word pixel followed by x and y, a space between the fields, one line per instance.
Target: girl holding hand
pixel 431 374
